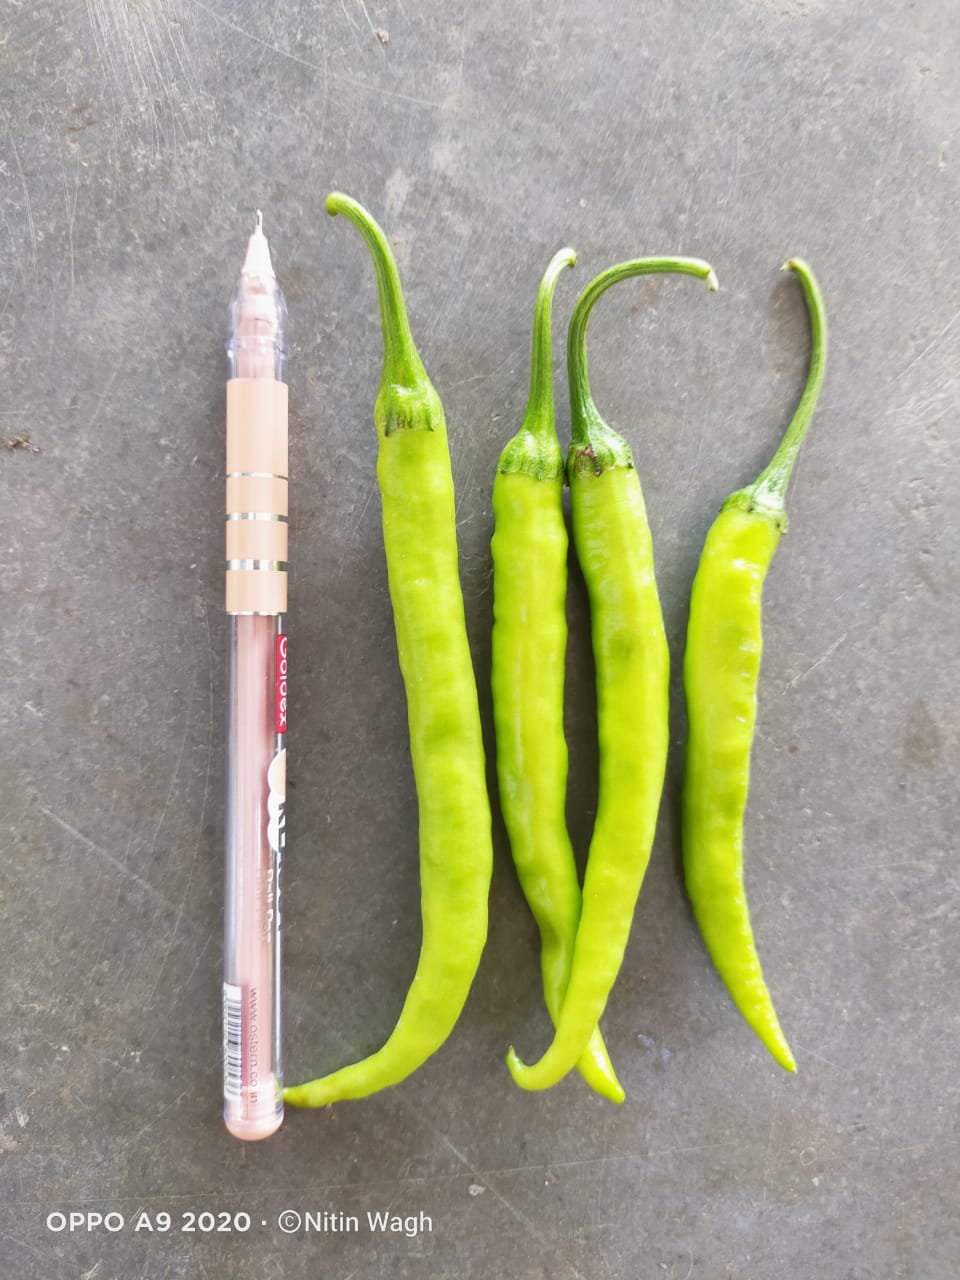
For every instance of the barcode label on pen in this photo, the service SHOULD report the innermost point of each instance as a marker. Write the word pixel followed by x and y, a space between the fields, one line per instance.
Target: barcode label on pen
pixel 232 1042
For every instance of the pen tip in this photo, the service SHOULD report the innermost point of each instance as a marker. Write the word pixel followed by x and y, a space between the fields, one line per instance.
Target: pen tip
pixel 257 262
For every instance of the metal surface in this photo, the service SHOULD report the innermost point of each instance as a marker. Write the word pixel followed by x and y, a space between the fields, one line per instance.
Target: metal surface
pixel 135 142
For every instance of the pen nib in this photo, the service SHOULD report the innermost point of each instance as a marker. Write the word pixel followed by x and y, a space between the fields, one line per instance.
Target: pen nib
pixel 257 262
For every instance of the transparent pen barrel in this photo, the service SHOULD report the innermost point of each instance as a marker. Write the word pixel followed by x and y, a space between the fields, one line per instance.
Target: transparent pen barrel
pixel 255 601
pixel 255 837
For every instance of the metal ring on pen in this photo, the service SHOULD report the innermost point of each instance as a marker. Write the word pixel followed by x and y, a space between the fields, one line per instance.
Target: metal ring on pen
pixel 259 566
pixel 255 475
pixel 255 515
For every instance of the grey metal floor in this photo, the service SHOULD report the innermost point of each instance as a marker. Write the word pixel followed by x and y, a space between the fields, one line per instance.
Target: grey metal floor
pixel 135 141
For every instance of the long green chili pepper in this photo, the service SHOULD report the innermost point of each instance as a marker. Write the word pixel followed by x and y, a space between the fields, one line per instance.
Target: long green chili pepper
pixel 529 550
pixel 419 536
pixel 613 544
pixel 721 668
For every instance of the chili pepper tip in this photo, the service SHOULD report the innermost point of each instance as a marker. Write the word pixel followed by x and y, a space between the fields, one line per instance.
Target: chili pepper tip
pixel 297 1095
pixel 513 1061
pixel 795 264
pixel 713 284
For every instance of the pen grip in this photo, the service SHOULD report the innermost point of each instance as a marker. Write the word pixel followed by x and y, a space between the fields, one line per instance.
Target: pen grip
pixel 256 524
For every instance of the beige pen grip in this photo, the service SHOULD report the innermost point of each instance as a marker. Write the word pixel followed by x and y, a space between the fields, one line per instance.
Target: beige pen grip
pixel 256 541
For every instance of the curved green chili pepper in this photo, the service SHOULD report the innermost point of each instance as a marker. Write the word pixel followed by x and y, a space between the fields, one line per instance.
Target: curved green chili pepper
pixel 612 539
pixel 419 537
pixel 529 550
pixel 720 674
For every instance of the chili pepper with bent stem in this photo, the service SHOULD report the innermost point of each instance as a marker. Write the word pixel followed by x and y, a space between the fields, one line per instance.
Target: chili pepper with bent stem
pixel 721 669
pixel 529 549
pixel 419 536
pixel 614 547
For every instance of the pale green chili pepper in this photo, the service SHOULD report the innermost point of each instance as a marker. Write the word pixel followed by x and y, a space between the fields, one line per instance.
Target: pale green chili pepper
pixel 420 542
pixel 721 669
pixel 612 539
pixel 529 644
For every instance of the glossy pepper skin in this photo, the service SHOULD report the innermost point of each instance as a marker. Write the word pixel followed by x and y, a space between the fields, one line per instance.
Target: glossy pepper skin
pixel 720 674
pixel 614 548
pixel 529 549
pixel 419 536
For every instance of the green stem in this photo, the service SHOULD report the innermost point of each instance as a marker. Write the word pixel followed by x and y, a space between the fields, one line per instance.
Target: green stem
pixel 538 418
pixel 769 490
pixel 402 365
pixel 583 411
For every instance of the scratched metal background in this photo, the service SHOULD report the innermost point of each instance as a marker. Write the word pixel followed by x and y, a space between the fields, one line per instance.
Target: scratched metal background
pixel 136 136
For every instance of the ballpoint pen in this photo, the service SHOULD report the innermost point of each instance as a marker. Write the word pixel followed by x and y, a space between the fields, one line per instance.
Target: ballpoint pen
pixel 256 600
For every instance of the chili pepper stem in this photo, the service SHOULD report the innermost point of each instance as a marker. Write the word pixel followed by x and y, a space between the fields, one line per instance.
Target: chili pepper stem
pixel 539 417
pixel 768 492
pixel 535 449
pixel 402 365
pixel 594 445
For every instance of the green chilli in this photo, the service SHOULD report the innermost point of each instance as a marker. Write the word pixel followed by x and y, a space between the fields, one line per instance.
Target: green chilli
pixel 720 674
pixel 419 537
pixel 614 547
pixel 529 549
